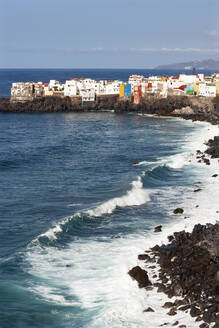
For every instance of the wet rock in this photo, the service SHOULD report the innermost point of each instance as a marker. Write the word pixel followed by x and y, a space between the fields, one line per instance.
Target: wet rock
pixel 184 308
pixel 194 312
pixel 158 228
pixel 170 238
pixel 213 147
pixel 152 267
pixel 161 289
pixel 149 288
pixel 172 311
pixel 175 323
pixel 149 309
pixel 199 318
pixel 144 257
pixel 207 161
pixel 178 211
pixel 197 190
pixel 164 324
pixel 155 249
pixel 210 315
pixel 140 276
pixel 190 264
pixel 214 175
pixel 181 302
pixel 168 305
pixel 204 325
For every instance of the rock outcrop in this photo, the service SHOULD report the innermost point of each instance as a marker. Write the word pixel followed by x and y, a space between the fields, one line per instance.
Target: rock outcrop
pixel 189 269
pixel 192 107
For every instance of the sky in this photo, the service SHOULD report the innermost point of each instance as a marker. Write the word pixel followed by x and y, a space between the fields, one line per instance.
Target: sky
pixel 107 33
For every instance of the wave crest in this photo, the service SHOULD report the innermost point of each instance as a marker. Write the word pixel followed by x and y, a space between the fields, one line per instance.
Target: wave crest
pixel 136 196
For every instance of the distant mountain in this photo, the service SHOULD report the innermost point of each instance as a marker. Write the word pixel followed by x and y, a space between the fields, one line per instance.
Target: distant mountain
pixel 207 64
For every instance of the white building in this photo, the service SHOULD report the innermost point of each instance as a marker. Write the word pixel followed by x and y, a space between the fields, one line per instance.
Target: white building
pixel 207 90
pixel 136 80
pixel 112 88
pixel 87 95
pixel 71 88
pixel 189 79
pixel 55 85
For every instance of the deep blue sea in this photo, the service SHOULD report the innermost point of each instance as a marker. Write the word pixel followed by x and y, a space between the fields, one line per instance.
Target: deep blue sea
pixel 75 212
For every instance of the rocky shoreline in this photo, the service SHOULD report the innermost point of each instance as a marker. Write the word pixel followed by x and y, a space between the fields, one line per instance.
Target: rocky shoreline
pixel 195 108
pixel 188 266
pixel 188 270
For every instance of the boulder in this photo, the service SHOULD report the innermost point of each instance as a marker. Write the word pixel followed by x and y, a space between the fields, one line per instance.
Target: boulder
pixel 140 275
pixel 143 257
pixel 178 211
pixel 149 309
pixel 158 228
pixel 172 311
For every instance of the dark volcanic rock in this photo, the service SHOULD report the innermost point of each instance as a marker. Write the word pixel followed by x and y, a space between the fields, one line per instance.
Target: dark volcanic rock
pixel 178 211
pixel 140 276
pixel 191 262
pixel 172 311
pixel 168 305
pixel 213 147
pixel 144 257
pixel 149 309
pixel 170 238
pixel 158 228
pixel 202 109
pixel 194 312
pixel 204 325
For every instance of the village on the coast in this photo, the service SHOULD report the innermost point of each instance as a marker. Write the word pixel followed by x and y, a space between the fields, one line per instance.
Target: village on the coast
pixel 136 87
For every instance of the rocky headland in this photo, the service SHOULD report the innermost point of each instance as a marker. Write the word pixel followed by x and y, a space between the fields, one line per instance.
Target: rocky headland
pixel 195 108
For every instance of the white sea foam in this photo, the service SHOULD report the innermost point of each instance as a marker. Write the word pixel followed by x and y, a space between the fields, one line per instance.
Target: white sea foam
pixel 136 196
pixel 193 142
pixel 97 269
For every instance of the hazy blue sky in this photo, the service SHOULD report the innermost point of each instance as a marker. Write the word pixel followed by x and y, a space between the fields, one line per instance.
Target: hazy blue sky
pixel 107 33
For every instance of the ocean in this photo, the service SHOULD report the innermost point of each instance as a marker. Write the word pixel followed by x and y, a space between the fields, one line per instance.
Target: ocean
pixel 76 212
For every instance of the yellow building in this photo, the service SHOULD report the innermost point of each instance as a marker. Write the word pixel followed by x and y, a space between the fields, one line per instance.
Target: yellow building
pixel 163 78
pixel 217 87
pixel 121 90
pixel 196 88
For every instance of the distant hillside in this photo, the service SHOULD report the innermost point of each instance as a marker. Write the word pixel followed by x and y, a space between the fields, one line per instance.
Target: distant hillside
pixel 207 64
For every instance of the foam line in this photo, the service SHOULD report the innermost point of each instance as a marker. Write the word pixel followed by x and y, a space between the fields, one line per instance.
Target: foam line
pixel 134 197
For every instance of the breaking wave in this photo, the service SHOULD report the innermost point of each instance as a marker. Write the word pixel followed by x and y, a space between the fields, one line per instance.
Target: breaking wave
pixel 136 196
